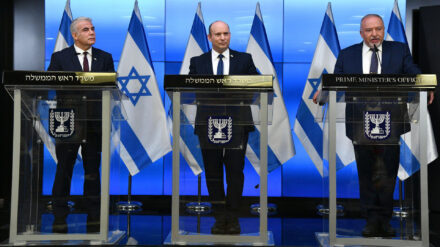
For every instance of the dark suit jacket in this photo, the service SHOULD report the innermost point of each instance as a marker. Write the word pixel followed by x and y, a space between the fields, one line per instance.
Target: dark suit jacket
pixel 240 64
pixel 396 59
pixel 67 60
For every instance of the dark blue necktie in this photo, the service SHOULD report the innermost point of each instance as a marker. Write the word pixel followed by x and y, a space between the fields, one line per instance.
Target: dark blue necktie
pixel 374 63
pixel 220 65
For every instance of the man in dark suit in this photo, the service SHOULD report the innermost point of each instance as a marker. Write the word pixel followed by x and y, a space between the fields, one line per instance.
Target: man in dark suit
pixel 223 61
pixel 79 57
pixel 377 164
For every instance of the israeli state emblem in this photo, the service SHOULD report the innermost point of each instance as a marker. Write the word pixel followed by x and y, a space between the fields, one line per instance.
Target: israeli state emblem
pixel 220 129
pixel 61 122
pixel 377 125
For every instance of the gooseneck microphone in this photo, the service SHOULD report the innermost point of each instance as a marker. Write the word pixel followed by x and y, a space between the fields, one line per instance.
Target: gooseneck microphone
pixel 376 50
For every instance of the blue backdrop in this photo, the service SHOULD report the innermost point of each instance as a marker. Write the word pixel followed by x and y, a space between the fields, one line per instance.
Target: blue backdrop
pixel 292 28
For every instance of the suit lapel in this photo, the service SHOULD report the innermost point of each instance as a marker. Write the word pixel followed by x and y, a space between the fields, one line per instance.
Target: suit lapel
pixel 75 60
pixel 96 60
pixel 358 62
pixel 386 57
pixel 208 63
pixel 233 63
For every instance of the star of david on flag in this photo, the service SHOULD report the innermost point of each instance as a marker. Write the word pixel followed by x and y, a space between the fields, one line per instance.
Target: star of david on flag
pixel 145 137
pixel 134 78
pixel 309 124
pixel 315 83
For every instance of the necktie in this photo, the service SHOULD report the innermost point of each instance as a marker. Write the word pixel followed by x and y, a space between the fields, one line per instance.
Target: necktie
pixel 85 62
pixel 220 65
pixel 374 63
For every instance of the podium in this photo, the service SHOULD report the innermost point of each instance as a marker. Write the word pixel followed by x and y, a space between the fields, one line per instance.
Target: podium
pixel 381 112
pixel 212 112
pixel 54 110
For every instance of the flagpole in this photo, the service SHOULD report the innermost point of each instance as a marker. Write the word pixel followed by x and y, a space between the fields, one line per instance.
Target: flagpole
pixel 199 207
pixel 129 205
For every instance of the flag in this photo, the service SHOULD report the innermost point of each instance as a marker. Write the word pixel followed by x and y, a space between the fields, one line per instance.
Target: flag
pixel 280 141
pixel 409 160
pixel 311 132
pixel 64 38
pixel 396 32
pixel 144 135
pixel 196 46
pixel 197 41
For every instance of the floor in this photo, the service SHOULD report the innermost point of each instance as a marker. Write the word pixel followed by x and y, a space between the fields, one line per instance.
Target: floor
pixel 291 225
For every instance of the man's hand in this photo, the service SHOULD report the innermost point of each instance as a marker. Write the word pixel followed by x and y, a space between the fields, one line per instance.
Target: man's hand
pixel 430 97
pixel 315 96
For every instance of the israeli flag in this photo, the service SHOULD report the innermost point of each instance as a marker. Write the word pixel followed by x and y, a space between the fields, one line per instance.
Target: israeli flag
pixel 196 46
pixel 309 123
pixel 64 38
pixel 280 141
pixel 409 162
pixel 144 135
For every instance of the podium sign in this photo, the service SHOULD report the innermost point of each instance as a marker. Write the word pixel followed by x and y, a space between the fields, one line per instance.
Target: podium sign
pixel 385 119
pixel 54 114
pixel 215 115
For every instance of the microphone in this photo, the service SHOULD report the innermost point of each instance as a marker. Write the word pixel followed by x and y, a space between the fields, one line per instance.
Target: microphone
pixel 376 50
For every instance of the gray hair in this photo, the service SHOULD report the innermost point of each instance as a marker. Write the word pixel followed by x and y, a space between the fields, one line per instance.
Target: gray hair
pixel 75 22
pixel 370 15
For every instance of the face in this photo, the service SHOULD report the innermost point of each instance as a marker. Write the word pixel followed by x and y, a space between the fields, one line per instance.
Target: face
pixel 372 31
pixel 85 35
pixel 219 36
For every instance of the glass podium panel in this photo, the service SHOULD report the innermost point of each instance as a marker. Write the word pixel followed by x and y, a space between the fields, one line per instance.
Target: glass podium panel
pixel 383 130
pixel 62 130
pixel 215 130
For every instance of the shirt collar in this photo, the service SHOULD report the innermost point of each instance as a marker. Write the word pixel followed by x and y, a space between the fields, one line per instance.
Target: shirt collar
pixel 215 54
pixel 81 51
pixel 366 48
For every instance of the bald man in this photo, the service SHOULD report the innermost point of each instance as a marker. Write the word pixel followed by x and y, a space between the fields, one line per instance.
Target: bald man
pixel 223 61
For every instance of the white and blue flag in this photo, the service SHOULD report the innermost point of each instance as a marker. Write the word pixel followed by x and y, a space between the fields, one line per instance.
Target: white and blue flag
pixel 64 38
pixel 310 131
pixel 144 135
pixel 396 32
pixel 280 141
pixel 196 46
pixel 409 162
pixel 197 41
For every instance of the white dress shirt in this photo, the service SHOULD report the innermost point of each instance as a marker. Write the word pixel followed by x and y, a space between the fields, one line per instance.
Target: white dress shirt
pixel 366 58
pixel 215 61
pixel 80 54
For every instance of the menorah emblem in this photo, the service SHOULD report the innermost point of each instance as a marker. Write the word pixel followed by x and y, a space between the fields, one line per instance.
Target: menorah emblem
pixel 377 119
pixel 223 124
pixel 377 125
pixel 61 117
pixel 219 124
pixel 61 123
